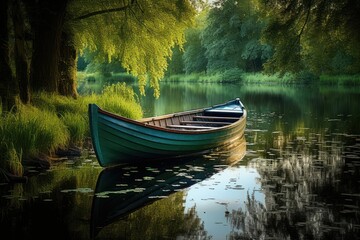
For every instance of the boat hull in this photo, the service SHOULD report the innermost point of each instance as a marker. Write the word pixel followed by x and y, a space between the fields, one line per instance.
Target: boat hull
pixel 118 140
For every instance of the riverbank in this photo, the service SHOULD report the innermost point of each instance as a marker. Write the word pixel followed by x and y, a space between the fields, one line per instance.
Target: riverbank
pixel 53 127
pixel 237 76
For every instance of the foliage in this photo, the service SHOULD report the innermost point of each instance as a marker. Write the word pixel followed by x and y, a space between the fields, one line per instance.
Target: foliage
pixel 105 68
pixel 141 36
pixel 194 55
pixel 81 63
pixel 306 77
pixel 232 37
pixel 94 82
pixel 232 75
pixel 221 38
pixel 320 36
pixel 175 64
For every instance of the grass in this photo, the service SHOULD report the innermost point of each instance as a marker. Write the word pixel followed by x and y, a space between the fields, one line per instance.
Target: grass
pixel 53 122
pixel 195 77
pixel 341 80
pixel 93 82
pixel 31 131
pixel 236 76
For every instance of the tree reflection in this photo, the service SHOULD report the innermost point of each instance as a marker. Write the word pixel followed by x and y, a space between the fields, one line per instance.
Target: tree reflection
pixel 162 219
pixel 311 187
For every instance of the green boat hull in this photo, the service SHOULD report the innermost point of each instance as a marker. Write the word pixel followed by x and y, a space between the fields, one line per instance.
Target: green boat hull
pixel 117 140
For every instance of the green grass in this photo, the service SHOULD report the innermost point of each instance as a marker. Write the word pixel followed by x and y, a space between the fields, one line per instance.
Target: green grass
pixel 12 160
pixel 32 131
pixel 54 121
pixel 78 127
pixel 195 77
pixel 342 80
pixel 236 76
pixel 94 82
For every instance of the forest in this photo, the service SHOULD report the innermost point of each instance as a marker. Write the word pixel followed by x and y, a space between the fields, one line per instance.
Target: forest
pixel 42 42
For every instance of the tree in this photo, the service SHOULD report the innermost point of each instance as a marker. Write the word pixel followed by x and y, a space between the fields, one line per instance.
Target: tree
pixel 47 25
pixel 194 55
pixel 8 84
pixel 232 37
pixel 175 64
pixel 140 33
pixel 311 33
pixel 21 52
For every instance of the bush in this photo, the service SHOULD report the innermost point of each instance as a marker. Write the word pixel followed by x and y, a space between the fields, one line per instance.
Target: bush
pixel 232 75
pixel 306 77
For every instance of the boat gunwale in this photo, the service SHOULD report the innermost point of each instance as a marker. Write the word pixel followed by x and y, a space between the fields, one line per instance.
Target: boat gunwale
pixel 142 122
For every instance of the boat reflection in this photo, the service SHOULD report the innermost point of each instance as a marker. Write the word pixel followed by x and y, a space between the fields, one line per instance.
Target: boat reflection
pixel 124 189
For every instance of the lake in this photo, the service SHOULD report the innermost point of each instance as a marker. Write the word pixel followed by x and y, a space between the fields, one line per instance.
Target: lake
pixel 295 175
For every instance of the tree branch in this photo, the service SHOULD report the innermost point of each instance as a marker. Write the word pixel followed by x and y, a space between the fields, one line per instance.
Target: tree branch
pixel 119 9
pixel 306 19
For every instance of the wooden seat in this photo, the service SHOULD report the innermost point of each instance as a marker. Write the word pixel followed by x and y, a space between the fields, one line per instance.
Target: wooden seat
pixel 205 122
pixel 213 118
pixel 188 127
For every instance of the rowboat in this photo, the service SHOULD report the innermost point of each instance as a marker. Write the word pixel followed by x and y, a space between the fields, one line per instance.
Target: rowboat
pixel 122 190
pixel 118 140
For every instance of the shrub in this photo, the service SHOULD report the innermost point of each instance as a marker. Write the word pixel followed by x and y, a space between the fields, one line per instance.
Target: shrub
pixel 232 75
pixel 306 77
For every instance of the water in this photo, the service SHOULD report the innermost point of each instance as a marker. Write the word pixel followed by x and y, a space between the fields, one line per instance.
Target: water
pixel 295 175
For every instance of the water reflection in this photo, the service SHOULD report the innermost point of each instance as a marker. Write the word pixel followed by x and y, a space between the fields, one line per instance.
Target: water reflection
pixel 54 204
pixel 311 186
pixel 122 190
pixel 217 199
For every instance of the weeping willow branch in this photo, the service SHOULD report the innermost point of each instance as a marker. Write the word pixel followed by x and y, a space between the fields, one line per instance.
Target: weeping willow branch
pixel 119 9
pixel 306 19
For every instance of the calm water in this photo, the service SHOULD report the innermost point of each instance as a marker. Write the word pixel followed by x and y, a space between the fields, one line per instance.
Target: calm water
pixel 295 175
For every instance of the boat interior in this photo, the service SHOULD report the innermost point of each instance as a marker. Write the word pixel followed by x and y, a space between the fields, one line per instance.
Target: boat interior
pixel 196 120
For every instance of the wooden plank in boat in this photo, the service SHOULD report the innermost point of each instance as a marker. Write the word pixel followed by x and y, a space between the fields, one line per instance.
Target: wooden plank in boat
pixel 216 118
pixel 188 127
pixel 204 122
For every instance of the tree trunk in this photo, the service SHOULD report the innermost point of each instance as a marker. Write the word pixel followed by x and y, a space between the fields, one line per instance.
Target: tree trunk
pixel 47 24
pixel 21 61
pixel 67 66
pixel 8 85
